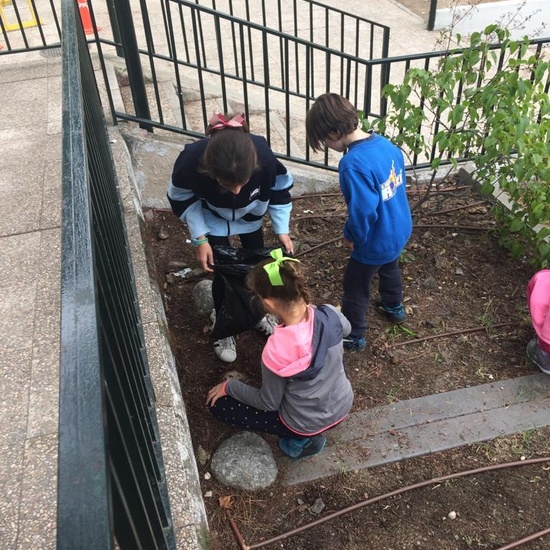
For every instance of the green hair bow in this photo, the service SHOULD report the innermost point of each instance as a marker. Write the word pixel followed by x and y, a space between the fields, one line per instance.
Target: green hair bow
pixel 273 268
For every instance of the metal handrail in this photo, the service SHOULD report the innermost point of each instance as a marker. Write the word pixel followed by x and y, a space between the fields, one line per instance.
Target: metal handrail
pixel 111 481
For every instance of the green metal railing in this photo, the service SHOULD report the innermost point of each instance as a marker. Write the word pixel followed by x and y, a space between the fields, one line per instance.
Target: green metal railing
pixel 111 482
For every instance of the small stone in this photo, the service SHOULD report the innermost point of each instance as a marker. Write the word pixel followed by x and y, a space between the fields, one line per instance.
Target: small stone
pixel 202 456
pixel 162 235
pixel 452 514
pixel 207 475
pixel 208 494
pixel 318 506
pixel 176 264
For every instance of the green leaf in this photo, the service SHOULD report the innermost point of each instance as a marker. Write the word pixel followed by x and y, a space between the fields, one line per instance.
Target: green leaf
pixel 516 224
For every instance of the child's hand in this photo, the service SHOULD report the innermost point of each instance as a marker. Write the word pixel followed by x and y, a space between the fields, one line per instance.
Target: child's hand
pixel 205 256
pixel 215 393
pixel 349 244
pixel 286 241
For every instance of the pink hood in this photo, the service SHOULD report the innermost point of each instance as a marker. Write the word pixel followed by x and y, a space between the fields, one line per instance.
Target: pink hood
pixel 288 350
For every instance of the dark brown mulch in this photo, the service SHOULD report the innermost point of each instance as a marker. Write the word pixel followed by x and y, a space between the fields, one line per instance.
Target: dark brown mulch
pixel 456 278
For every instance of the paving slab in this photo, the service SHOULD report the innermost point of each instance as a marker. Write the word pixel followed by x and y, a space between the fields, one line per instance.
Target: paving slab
pixel 426 425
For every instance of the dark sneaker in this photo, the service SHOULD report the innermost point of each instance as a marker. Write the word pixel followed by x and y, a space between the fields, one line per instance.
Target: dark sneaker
pixel 395 314
pixel 538 357
pixel 355 344
pixel 302 448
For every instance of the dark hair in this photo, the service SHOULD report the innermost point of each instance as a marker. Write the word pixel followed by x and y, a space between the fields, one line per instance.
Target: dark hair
pixel 331 115
pixel 230 155
pixel 294 285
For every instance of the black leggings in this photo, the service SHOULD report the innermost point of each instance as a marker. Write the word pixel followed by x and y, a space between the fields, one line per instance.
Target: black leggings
pixel 244 417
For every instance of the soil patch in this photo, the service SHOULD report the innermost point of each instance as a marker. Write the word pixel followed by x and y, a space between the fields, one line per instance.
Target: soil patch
pixel 456 278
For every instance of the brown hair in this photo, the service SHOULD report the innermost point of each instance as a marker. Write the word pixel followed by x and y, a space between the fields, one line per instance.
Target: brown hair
pixel 331 115
pixel 230 154
pixel 293 289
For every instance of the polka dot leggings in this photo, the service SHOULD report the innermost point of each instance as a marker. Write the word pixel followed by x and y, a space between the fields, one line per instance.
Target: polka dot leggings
pixel 245 417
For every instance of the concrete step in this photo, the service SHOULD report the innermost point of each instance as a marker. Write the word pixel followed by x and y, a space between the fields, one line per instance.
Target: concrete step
pixel 426 425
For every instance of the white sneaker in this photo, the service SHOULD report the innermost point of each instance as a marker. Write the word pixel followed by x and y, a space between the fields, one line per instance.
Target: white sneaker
pixel 266 325
pixel 226 349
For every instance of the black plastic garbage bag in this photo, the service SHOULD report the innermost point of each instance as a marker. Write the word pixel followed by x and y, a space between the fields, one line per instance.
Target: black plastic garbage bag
pixel 237 309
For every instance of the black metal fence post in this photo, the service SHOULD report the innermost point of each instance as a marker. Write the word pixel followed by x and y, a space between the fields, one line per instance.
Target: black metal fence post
pixel 111 8
pixel 123 12
pixel 431 16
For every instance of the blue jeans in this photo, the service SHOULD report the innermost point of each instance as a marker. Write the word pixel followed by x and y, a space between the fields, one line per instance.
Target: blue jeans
pixel 357 282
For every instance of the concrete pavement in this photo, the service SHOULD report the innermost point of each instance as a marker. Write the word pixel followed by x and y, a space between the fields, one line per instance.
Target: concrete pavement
pixel 30 256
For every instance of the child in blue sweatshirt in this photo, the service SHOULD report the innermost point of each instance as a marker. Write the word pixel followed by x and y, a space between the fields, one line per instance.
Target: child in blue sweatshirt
pixel 379 224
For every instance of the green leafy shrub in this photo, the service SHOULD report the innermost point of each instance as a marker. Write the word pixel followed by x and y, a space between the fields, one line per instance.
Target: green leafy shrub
pixel 488 105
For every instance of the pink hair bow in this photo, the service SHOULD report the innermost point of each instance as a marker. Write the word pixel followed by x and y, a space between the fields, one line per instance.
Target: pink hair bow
pixel 217 122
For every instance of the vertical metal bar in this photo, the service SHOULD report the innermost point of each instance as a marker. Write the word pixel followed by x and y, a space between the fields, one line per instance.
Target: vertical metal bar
pixel 342 60
pixel 32 6
pixel 287 101
pixel 165 21
pixel 266 89
pixel 174 58
pixel 5 34
pixel 284 72
pixel 311 22
pixel 20 24
pixel 114 26
pixel 296 53
pixel 150 55
pixel 198 59
pixel 198 31
pixel 234 40
pixel 431 16
pixel 244 73
pixel 327 34
pixel 347 89
pixel 55 18
pixel 133 63
pixel 367 101
pixel 327 71
pixel 357 49
pixel 264 20
pixel 308 92
pixel 222 66
pixel 250 50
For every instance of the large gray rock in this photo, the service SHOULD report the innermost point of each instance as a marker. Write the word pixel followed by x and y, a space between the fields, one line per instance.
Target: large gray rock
pixel 202 297
pixel 244 461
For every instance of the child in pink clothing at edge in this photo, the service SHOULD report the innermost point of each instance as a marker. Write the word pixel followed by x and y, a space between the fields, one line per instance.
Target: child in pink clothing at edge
pixel 538 299
pixel 305 390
